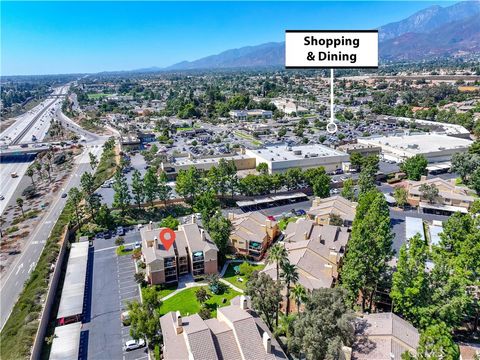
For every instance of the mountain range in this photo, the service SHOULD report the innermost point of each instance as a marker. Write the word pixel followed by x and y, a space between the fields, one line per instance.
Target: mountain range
pixel 429 33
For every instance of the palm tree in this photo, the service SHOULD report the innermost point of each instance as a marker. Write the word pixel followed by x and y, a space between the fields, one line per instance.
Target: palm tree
pixel 299 294
pixel 20 205
pixel 38 167
pixel 278 255
pixel 289 275
pixel 30 174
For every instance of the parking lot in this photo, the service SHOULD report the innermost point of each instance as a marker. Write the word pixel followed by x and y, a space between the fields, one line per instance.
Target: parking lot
pixel 113 286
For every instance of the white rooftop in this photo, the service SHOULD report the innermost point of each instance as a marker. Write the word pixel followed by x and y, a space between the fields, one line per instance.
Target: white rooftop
pixel 286 153
pixel 419 144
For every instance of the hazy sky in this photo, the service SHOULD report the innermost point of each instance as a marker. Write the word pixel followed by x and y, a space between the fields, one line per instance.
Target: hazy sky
pixel 76 37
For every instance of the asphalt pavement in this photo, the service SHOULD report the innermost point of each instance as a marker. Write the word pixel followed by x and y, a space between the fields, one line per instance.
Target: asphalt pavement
pixel 14 278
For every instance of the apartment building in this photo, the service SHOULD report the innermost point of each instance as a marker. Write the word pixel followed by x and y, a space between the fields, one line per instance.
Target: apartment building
pixel 316 250
pixel 323 210
pixel 450 199
pixel 236 333
pixel 193 252
pixel 384 336
pixel 252 234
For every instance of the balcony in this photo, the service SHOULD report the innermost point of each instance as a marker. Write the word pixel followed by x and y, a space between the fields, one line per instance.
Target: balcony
pixel 197 256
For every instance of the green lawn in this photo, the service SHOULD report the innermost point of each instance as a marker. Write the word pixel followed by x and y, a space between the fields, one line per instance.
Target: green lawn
pixel 186 301
pixel 248 137
pixel 122 250
pixel 283 223
pixel 165 290
pixel 97 95
pixel 232 278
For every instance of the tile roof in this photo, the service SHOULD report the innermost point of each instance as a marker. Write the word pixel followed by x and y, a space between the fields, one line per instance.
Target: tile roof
pixel 234 334
pixel 334 205
pixel 383 334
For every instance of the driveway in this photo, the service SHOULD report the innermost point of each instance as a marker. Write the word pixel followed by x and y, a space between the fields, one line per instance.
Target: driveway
pixel 113 286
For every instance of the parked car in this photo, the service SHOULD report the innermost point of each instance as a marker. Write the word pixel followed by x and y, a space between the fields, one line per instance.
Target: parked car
pixel 64 195
pixel 2 197
pixel 133 344
pixel 300 212
pixel 271 218
pixel 120 231
pixel 107 235
pixel 137 245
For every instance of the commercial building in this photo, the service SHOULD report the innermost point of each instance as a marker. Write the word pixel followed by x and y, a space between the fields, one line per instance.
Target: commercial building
pixel 435 147
pixel 70 309
pixel 280 158
pixel 252 234
pixel 450 198
pixel 192 252
pixel 362 149
pixel 323 210
pixel 236 333
pixel 244 115
pixel 384 336
pixel 316 251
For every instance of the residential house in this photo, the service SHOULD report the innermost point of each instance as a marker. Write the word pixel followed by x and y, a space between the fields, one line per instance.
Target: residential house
pixel 323 210
pixel 193 252
pixel 236 333
pixel 316 250
pixel 252 234
pixel 450 199
pixel 384 336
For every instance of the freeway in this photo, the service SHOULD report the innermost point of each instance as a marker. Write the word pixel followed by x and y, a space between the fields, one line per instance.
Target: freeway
pixel 33 123
pixel 14 278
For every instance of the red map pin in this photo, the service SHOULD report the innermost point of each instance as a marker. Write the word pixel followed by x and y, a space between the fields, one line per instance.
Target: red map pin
pixel 167 237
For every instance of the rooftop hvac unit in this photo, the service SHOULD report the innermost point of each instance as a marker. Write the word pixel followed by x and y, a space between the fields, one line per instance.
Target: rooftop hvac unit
pixel 306 156
pixel 441 148
pixel 313 155
pixel 297 152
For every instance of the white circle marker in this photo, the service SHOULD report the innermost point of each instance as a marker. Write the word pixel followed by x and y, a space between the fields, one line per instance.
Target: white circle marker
pixel 331 128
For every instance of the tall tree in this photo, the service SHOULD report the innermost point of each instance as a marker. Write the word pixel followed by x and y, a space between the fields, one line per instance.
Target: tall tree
pixel 150 185
pixel 299 295
pixel 265 295
pixel 348 191
pixel 219 229
pixel 326 324
pixel 145 316
pixel 87 183
pixel 429 192
pixel 207 205
pixel 75 196
pixel 369 248
pixel 20 205
pixel 277 255
pixel 414 167
pixel 164 190
pixel 410 289
pixel 30 173
pixel 121 196
pixel 289 276
pixel 189 184
pixel 321 185
pixel 366 180
pixel 400 195
pixel 138 188
pixel 93 160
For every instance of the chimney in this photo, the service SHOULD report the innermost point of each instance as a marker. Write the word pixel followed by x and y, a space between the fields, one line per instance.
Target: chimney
pixel 423 178
pixel 155 242
pixel 347 351
pixel 194 219
pixel 150 225
pixel 243 302
pixel 305 235
pixel 268 223
pixel 231 216
pixel 267 343
pixel 202 234
pixel 179 323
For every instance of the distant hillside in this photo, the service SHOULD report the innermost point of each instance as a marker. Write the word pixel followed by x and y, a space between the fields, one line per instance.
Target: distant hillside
pixel 433 32
pixel 433 17
pixel 457 38
pixel 269 54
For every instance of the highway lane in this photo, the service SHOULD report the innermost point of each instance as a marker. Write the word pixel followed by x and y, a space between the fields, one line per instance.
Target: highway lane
pixel 14 278
pixel 42 114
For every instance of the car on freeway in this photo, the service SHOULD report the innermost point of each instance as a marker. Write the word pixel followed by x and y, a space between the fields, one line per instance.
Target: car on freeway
pixel 2 197
pixel 64 195
pixel 133 344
